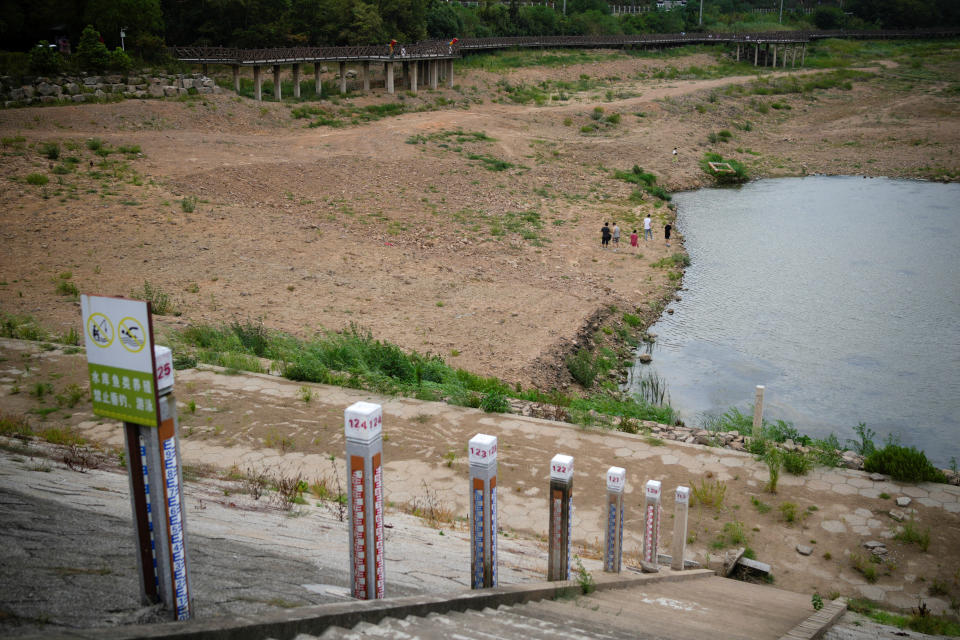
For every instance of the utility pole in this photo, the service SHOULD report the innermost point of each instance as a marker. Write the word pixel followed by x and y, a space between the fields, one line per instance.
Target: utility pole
pixel 123 34
pixel 781 11
pixel 701 13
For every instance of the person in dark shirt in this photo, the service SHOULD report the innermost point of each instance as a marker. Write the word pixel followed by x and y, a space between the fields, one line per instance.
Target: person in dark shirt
pixel 666 232
pixel 605 235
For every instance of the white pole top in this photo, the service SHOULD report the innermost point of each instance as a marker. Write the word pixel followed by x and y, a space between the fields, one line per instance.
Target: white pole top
pixel 363 421
pixel 760 387
pixel 164 372
pixel 616 479
pixel 683 495
pixel 482 449
pixel 653 490
pixel 561 467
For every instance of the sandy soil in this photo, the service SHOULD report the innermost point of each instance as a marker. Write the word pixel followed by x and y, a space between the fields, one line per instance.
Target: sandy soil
pixel 312 228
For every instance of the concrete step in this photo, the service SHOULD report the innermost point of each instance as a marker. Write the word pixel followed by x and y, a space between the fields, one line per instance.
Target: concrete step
pixel 512 622
pixel 582 619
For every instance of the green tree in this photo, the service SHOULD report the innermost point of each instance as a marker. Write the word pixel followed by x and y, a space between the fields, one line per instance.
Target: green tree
pixel 91 53
pixel 138 16
pixel 443 21
pixel 367 26
pixel 44 59
pixel 828 18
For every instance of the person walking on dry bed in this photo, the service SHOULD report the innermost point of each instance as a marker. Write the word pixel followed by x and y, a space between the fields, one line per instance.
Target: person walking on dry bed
pixel 616 236
pixel 633 239
pixel 647 229
pixel 605 236
pixel 666 232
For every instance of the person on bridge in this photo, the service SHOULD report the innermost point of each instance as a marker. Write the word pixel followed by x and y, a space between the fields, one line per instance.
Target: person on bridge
pixel 393 43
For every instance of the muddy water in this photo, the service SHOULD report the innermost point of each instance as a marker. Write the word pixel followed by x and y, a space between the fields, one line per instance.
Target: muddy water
pixel 840 294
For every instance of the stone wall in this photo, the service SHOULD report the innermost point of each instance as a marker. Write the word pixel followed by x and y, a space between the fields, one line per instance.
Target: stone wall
pixel 67 89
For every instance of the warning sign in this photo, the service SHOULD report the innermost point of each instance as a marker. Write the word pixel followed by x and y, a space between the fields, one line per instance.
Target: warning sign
pixel 120 359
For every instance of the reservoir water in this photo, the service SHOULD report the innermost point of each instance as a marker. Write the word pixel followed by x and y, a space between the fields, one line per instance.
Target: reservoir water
pixel 840 294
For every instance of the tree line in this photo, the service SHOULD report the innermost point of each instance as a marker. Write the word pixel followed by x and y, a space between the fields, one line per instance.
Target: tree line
pixel 152 24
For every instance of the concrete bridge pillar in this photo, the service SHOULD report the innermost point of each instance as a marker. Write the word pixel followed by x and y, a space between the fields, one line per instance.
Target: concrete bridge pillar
pixel 389 70
pixel 318 88
pixel 296 81
pixel 236 77
pixel 413 76
pixel 793 58
pixel 774 56
pixel 738 52
pixel 756 55
pixel 366 75
pixel 277 91
pixel 257 83
pixel 803 54
pixel 450 73
pixel 434 73
pixel 205 68
pixel 343 77
pixel 785 51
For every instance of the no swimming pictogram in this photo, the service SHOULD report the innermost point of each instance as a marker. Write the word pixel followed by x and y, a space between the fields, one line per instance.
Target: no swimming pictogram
pixel 100 330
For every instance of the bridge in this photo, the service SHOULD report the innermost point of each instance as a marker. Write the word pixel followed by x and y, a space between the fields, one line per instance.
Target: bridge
pixel 433 60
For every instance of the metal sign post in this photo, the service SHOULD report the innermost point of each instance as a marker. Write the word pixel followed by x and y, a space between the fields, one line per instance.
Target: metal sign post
pixel 651 527
pixel 131 379
pixel 613 547
pixel 680 512
pixel 363 423
pixel 561 517
pixel 482 451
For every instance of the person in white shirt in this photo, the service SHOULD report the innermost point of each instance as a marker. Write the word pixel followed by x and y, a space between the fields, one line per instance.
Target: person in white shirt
pixel 647 230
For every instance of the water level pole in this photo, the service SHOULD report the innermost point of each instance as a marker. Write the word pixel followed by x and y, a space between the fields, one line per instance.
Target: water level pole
pixel 613 547
pixel 561 507
pixel 482 450
pixel 161 451
pixel 680 512
pixel 362 425
pixel 651 527
pixel 758 412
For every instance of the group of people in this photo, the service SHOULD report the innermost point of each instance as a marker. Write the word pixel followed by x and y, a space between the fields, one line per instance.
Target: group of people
pixel 608 233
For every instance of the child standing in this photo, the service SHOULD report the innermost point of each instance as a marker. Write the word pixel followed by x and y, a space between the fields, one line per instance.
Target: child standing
pixel 616 236
pixel 634 238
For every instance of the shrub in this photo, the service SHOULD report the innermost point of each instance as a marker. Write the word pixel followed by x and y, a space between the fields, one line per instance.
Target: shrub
pixel 737 175
pixel 911 534
pixel 903 463
pixel 797 463
pixel 582 367
pixel 495 402
pixel 119 60
pixel 37 179
pixel 92 54
pixel 50 150
pixel 160 300
pixel 45 60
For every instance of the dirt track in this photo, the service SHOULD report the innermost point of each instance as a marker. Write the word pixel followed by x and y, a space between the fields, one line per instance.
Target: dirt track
pixel 312 228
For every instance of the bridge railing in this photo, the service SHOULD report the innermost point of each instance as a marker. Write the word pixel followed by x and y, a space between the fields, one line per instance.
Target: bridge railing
pixel 443 49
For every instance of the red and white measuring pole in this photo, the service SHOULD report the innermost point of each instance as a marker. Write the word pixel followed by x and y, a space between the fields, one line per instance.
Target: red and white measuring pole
pixel 482 450
pixel 613 547
pixel 651 527
pixel 680 512
pixel 561 517
pixel 363 423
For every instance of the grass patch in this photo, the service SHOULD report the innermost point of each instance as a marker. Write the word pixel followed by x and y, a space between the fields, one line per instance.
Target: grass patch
pixel 910 533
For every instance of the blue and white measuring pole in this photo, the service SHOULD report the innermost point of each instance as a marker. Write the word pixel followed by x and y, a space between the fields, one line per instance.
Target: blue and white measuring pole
pixel 167 506
pixel 561 517
pixel 613 542
pixel 651 527
pixel 482 450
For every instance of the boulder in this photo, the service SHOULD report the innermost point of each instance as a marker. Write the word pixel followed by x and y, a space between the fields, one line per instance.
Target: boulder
pixel 205 90
pixel 877 477
pixel 644 358
pixel 99 94
pixel 47 89
pixel 80 97
pixel 904 501
pixel 169 91
pixel 28 91
pixel 134 80
pixel 156 90
pixel 187 83
pixel 91 80
pixel 113 79
pixel 804 550
pixel 71 88
pixel 207 82
pixel 182 92
pixel 897 515
pixel 48 99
